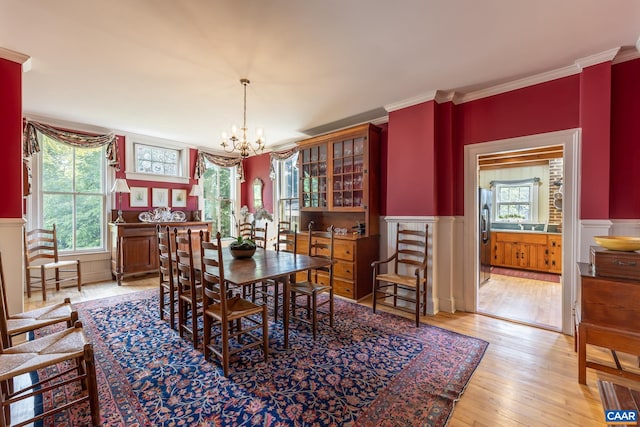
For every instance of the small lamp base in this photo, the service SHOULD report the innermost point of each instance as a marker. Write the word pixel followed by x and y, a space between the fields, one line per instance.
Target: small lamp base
pixel 120 219
pixel 196 216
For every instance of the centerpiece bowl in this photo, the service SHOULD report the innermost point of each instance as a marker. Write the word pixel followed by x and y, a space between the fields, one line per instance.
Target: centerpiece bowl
pixel 618 243
pixel 242 248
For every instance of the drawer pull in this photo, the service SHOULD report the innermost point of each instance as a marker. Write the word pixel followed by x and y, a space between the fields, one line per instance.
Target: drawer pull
pixel 625 264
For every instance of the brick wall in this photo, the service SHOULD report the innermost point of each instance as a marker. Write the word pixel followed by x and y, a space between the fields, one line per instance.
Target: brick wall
pixel 555 175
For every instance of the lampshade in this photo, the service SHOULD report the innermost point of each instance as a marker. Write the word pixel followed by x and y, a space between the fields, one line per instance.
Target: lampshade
pixel 120 186
pixel 196 190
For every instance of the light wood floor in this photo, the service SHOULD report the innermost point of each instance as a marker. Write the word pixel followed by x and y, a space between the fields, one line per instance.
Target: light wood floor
pixel 529 301
pixel 528 376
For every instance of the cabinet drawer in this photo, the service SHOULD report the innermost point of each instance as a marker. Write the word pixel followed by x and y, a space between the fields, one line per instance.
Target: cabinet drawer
pixel 341 287
pixel 343 250
pixel 539 239
pixel 343 270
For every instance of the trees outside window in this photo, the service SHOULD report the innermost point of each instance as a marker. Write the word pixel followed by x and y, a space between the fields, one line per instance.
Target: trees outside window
pixel 218 185
pixel 73 193
pixel 287 183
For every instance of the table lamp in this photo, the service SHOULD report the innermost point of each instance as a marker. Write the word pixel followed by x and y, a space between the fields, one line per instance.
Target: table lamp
pixel 196 191
pixel 120 186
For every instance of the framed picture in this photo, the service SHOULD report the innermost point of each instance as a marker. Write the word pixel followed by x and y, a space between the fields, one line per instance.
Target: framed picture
pixel 139 197
pixel 178 198
pixel 160 197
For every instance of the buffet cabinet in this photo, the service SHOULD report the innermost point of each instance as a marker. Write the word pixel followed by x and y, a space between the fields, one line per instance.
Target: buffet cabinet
pixel 352 269
pixel 527 251
pixel 607 317
pixel 339 187
pixel 134 246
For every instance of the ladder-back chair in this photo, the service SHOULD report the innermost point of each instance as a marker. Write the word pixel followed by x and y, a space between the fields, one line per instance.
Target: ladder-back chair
pixel 41 256
pixel 188 284
pixel 318 282
pixel 408 279
pixel 166 269
pixel 221 309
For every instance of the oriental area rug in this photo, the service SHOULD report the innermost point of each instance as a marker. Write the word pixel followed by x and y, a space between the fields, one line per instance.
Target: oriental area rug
pixel 369 370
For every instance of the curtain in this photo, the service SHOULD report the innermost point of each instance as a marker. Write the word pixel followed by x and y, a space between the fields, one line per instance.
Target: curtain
pixel 222 161
pixel 31 144
pixel 280 155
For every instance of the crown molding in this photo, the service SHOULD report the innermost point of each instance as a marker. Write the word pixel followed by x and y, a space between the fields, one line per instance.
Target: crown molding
pixel 597 58
pixel 627 54
pixel 17 57
pixel 443 96
pixel 409 102
pixel 517 84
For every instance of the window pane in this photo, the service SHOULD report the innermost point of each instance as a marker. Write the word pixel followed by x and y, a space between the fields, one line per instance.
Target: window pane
pixel 89 163
pixel 57 166
pixel 218 202
pixel 88 230
pixel 156 160
pixel 58 210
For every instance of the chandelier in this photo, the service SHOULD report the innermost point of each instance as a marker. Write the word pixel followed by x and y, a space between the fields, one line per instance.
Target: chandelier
pixel 238 142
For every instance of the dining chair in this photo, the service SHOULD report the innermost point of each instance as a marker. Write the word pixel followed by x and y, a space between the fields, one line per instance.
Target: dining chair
pixel 245 230
pixel 268 292
pixel 29 321
pixel 408 280
pixel 318 283
pixel 69 346
pixel 166 269
pixel 41 256
pixel 260 235
pixel 237 320
pixel 188 284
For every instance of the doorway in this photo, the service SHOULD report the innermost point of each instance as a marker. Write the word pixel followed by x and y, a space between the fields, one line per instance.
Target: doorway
pixel 520 215
pixel 569 140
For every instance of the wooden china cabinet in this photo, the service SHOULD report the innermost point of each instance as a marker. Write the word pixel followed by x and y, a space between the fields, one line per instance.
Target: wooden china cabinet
pixel 339 186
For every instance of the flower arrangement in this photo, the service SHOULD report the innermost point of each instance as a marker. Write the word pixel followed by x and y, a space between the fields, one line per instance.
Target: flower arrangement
pixel 262 213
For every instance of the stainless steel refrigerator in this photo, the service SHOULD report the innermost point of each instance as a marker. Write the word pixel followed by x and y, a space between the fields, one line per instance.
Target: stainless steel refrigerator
pixel 485 199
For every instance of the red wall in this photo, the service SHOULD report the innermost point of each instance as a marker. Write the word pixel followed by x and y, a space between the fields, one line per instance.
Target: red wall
pixel 411 187
pixel 595 113
pixel 257 167
pixel 191 200
pixel 11 139
pixel 624 192
pixel 382 172
pixel 445 176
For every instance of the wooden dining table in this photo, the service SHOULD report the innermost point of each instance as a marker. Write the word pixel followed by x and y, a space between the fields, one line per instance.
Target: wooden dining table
pixel 265 265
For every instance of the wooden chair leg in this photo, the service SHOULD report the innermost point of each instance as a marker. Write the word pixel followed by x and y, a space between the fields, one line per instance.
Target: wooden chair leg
pixel 92 385
pixel 43 280
pixel 79 276
pixel 314 315
pixel 194 324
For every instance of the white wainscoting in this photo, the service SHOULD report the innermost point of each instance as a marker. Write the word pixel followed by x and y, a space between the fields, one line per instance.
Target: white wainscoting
pixel 95 267
pixel 12 261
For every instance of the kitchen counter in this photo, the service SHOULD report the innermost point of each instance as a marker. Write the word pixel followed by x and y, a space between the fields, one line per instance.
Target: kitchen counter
pixel 502 230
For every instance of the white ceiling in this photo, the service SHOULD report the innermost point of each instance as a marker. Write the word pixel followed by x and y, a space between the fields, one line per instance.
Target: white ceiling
pixel 171 68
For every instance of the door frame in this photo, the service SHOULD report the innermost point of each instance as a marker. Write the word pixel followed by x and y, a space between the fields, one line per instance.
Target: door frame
pixel 570 141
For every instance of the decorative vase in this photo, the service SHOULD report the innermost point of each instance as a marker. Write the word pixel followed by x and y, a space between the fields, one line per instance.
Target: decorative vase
pixel 240 253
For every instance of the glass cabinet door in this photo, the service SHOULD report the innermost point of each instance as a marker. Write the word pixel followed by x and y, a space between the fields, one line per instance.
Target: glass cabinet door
pixel 348 173
pixel 313 162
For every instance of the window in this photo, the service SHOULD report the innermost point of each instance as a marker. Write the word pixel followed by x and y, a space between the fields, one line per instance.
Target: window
pixel 516 201
pixel 156 160
pixel 73 194
pixel 219 193
pixel 287 182
pixel 164 160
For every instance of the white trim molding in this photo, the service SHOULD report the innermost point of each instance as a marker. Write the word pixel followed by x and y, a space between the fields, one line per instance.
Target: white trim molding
pixel 409 102
pixel 597 58
pixel 17 57
pixel 570 140
pixel 625 227
pixel 588 229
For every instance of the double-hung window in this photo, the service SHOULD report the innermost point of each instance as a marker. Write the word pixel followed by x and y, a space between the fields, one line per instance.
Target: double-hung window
pixel 73 194
pixel 287 182
pixel 219 195
pixel 516 201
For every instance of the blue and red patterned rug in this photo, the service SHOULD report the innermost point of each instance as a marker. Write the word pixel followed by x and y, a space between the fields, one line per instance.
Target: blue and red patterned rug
pixel 370 370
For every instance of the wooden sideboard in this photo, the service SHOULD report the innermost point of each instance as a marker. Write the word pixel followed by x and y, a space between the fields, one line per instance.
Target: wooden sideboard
pixel 608 317
pixel 134 245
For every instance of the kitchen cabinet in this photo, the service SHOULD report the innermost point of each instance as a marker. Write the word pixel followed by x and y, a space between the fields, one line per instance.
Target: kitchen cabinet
pixel 339 186
pixel 134 245
pixel 527 251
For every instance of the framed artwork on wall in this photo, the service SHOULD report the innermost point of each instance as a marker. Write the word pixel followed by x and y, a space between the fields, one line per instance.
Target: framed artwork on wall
pixel 160 197
pixel 178 198
pixel 139 197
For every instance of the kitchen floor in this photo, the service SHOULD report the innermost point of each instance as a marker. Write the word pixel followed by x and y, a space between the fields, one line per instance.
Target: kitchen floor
pixel 533 302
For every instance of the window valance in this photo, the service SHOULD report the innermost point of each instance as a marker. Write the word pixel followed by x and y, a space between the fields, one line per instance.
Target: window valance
pixel 280 155
pixel 222 161
pixel 535 180
pixel 31 145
